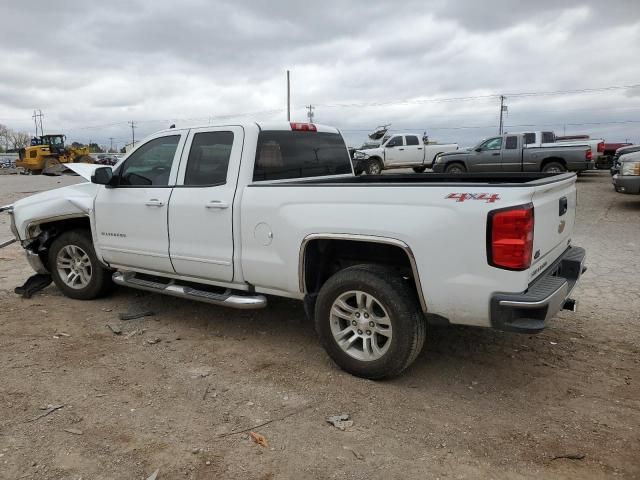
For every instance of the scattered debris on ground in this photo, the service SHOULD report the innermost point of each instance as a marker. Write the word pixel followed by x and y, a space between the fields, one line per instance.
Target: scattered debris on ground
pixel 571 456
pixel 115 329
pixel 49 410
pixel 341 422
pixel 135 315
pixel 34 284
pixel 259 439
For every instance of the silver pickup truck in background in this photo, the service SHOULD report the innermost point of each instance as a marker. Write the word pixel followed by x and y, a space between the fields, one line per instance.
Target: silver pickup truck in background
pixel 508 153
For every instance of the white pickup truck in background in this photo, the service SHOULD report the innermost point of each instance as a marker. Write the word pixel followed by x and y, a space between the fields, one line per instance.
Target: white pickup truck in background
pixel 401 150
pixel 230 214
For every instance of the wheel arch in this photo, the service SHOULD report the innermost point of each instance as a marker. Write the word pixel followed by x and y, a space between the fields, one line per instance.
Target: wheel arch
pixel 549 160
pixel 42 232
pixel 312 273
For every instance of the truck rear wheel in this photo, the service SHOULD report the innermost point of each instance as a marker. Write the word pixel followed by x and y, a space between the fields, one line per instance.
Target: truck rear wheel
pixel 554 167
pixel 369 321
pixel 75 268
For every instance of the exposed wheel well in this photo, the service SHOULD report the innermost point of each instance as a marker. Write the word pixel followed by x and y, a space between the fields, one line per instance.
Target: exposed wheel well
pixel 42 234
pixel 547 161
pixel 322 258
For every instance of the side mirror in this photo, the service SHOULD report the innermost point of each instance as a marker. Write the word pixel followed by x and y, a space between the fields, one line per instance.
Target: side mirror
pixel 479 149
pixel 102 176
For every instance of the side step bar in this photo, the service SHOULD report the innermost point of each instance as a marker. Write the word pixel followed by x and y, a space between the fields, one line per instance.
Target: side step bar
pixel 228 298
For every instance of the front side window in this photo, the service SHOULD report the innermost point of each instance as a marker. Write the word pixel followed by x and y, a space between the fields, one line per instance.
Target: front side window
pixel 412 140
pixel 492 144
pixel 285 154
pixel 150 165
pixel 395 142
pixel 209 158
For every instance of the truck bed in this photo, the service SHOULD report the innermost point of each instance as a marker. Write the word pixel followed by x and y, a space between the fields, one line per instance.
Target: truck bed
pixel 440 179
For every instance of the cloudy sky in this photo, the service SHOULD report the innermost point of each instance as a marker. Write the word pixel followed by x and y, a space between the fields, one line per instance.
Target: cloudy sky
pixel 92 66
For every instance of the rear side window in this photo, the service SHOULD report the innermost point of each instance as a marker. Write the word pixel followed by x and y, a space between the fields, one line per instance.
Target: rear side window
pixel 209 158
pixel 511 143
pixel 412 140
pixel 151 163
pixel 285 154
pixel 548 137
pixel 529 138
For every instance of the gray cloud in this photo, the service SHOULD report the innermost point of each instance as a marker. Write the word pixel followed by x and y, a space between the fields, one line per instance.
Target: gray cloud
pixel 100 63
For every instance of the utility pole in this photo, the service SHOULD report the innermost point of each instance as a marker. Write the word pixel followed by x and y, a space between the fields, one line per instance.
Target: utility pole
pixel 310 113
pixel 111 146
pixel 133 132
pixel 503 108
pixel 35 117
pixel 288 97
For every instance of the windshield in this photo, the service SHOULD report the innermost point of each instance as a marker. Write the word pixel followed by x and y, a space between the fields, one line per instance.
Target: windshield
pixel 286 154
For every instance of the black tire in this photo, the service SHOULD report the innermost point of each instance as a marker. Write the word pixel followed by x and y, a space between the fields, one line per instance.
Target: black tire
pixel 554 167
pixel 99 283
pixel 419 169
pixel 374 167
pixel 455 168
pixel 396 296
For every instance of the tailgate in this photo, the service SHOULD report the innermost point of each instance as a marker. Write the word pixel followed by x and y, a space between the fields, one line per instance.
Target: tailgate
pixel 554 215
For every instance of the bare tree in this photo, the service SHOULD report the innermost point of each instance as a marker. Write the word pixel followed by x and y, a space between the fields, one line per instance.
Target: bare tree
pixel 19 139
pixel 4 136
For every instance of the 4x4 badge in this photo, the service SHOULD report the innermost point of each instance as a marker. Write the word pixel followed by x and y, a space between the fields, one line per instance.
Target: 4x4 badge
pixel 461 197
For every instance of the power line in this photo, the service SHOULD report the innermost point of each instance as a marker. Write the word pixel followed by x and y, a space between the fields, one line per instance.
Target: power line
pixel 480 97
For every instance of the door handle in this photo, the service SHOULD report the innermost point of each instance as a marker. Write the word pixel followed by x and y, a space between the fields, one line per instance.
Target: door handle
pixel 217 204
pixel 154 202
pixel 401 149
pixel 495 154
pixel 419 148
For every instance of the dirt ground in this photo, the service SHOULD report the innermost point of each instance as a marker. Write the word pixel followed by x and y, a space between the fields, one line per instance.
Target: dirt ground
pixel 178 391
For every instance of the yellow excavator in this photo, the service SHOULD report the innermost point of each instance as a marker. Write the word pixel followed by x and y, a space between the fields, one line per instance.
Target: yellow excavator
pixel 47 155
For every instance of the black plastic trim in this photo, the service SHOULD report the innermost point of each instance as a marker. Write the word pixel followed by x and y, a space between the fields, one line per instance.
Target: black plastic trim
pixel 543 294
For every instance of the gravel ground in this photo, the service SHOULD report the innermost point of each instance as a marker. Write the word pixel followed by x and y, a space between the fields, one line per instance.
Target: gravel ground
pixel 178 391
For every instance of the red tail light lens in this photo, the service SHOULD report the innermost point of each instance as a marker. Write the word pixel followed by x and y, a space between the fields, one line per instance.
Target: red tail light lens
pixel 510 237
pixel 601 147
pixel 303 127
pixel 588 155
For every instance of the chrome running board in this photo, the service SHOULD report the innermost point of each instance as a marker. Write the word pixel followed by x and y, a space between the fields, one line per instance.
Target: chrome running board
pixel 228 298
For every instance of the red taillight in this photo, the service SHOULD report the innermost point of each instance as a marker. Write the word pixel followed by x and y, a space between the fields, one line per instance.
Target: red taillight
pixel 588 155
pixel 601 147
pixel 303 127
pixel 510 237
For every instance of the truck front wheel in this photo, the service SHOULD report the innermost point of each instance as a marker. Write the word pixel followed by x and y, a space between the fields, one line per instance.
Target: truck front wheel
pixel 75 268
pixel 369 321
pixel 374 167
pixel 455 168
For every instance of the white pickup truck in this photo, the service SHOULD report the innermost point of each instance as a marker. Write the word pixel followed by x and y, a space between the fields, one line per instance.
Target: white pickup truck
pixel 401 150
pixel 231 214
